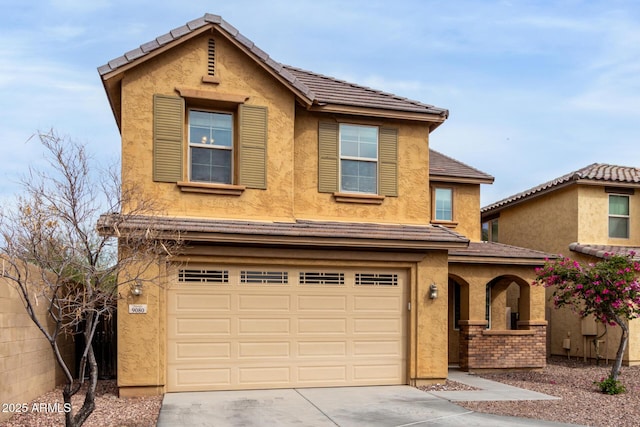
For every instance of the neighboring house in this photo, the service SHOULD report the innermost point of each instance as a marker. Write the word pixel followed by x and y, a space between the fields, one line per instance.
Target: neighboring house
pixel 325 244
pixel 583 215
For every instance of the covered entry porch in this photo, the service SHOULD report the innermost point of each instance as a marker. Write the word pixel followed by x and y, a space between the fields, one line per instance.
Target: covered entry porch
pixel 496 317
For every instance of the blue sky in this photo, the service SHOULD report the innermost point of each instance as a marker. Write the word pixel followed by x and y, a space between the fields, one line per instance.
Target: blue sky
pixel 535 89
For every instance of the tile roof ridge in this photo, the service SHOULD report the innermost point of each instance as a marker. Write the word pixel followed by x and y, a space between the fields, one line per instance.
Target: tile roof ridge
pixel 442 111
pixel 575 175
pixel 462 163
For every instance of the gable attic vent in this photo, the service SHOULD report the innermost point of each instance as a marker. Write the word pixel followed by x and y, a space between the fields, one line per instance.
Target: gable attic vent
pixel 211 68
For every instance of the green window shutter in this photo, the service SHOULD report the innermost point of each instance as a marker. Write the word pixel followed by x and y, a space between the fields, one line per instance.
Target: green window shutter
pixel 327 157
pixel 388 157
pixel 168 134
pixel 253 146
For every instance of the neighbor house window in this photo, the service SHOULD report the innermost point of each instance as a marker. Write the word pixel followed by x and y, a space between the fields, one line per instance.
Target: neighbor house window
pixel 358 159
pixel 211 146
pixel 490 231
pixel 444 204
pixel 618 216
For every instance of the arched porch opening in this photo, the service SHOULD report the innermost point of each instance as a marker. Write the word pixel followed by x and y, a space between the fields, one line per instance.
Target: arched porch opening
pixel 495 325
pixel 458 294
pixel 508 302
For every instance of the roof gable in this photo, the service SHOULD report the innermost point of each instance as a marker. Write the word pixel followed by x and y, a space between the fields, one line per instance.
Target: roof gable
pixel 596 173
pixel 313 90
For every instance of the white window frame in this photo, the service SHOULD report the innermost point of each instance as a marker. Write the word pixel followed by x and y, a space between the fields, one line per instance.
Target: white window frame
pixel 359 159
pixel 212 146
pixel 627 217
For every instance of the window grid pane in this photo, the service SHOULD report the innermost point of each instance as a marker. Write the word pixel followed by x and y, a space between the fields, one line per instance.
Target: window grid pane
pixel 618 205
pixel 619 227
pixel 444 204
pixel 211 146
pixel 359 176
pixel 618 216
pixel 358 159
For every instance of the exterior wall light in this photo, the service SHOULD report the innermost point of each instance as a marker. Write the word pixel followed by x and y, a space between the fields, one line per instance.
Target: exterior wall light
pixel 136 289
pixel 433 291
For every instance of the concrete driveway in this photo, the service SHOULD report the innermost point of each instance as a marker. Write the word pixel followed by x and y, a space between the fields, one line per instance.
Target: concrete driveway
pixel 383 406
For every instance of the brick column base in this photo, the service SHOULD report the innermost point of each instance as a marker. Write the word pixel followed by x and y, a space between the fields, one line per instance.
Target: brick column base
pixel 487 349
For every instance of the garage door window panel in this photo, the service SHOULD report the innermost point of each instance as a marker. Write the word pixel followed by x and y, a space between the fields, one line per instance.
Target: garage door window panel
pixel 264 277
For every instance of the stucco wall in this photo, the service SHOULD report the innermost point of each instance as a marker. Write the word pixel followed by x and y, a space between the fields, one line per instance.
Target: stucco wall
pixel 431 322
pixel 27 366
pixel 410 207
pixel 466 208
pixel 594 217
pixel 185 66
pixel 546 223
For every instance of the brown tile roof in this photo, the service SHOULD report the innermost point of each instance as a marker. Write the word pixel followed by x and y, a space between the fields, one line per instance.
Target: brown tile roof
pixel 491 251
pixel 299 233
pixel 443 167
pixel 316 88
pixel 328 90
pixel 594 173
pixel 599 251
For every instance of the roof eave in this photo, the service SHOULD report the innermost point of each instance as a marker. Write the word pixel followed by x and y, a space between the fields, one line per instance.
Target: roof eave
pixel 460 180
pixel 435 119
pixel 321 242
pixel 479 259
pixel 493 210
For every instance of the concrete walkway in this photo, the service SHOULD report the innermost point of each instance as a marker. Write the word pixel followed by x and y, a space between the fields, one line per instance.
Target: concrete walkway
pixel 383 406
pixel 489 390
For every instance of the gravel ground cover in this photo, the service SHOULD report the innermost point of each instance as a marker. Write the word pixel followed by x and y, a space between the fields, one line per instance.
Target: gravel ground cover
pixel 572 380
pixel 581 403
pixel 111 411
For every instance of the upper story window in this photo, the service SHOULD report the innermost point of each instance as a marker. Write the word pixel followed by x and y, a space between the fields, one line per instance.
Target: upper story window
pixel 618 216
pixel 357 163
pixel 358 159
pixel 210 147
pixel 443 204
pixel 208 156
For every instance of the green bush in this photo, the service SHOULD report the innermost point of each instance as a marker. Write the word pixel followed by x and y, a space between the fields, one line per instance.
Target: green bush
pixel 610 386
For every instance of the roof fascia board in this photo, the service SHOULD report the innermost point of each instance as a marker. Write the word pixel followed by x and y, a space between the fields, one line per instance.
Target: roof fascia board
pixel 608 183
pixel 377 112
pixel 459 180
pixel 372 244
pixel 461 259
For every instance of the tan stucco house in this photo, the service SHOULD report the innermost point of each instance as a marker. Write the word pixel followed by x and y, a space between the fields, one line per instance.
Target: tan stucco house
pixel 583 215
pixel 326 245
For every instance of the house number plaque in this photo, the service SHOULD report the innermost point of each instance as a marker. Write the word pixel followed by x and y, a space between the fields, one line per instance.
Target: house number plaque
pixel 137 308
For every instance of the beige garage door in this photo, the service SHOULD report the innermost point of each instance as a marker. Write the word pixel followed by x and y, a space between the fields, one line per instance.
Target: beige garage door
pixel 249 328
